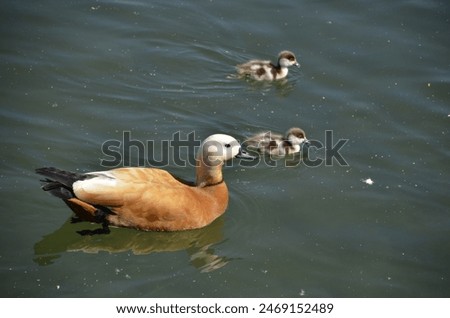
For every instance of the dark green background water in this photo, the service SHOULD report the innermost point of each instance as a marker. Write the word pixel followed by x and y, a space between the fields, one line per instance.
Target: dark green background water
pixel 75 74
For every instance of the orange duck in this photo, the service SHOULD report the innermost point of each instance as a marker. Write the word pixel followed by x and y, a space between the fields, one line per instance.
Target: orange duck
pixel 148 198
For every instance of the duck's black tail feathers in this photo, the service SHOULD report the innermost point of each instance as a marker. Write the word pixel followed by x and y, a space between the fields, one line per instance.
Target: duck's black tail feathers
pixel 59 182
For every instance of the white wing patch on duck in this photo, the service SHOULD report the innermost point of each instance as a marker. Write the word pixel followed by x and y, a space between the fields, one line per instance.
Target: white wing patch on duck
pixel 102 182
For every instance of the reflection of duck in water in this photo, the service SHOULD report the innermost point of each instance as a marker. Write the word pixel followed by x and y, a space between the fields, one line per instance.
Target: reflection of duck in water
pixel 276 144
pixel 146 198
pixel 199 244
pixel 265 70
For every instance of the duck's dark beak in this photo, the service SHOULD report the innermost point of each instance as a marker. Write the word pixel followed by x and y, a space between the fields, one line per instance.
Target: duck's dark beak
pixel 244 155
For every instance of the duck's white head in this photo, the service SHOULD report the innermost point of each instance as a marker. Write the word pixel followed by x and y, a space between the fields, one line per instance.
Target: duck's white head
pixel 218 148
pixel 286 59
pixel 296 136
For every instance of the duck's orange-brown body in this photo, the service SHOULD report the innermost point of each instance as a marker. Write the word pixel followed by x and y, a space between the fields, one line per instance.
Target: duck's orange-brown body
pixel 151 199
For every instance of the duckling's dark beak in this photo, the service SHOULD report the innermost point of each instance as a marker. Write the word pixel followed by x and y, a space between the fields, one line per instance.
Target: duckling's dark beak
pixel 244 155
pixel 297 64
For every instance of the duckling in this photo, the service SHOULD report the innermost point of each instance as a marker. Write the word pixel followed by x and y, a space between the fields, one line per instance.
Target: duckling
pixel 266 70
pixel 276 144
pixel 148 198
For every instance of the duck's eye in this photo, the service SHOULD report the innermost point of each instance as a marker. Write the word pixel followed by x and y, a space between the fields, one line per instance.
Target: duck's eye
pixel 227 145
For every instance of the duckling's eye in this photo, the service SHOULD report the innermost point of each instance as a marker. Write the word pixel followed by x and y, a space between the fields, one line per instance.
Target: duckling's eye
pixel 227 145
